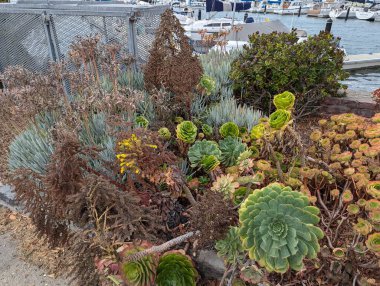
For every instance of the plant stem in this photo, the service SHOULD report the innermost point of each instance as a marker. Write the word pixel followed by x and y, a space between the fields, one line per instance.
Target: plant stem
pixel 189 195
pixel 160 248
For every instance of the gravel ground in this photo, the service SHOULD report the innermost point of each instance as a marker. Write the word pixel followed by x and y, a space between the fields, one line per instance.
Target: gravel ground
pixel 16 272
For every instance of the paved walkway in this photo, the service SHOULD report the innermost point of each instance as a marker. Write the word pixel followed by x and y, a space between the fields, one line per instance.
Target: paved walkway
pixel 16 272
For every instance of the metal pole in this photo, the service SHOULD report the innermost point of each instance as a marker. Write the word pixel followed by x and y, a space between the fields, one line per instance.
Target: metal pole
pixel 132 39
pixel 299 11
pixel 328 25
pixel 233 14
pixel 348 12
pixel 49 38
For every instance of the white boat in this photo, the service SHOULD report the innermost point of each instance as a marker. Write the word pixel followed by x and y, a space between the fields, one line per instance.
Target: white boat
pixel 341 12
pixel 211 26
pixel 292 7
pixel 369 14
pixel 322 10
pixel 264 6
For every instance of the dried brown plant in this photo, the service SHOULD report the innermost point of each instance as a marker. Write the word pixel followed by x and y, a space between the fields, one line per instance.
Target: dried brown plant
pixel 171 63
pixel 212 216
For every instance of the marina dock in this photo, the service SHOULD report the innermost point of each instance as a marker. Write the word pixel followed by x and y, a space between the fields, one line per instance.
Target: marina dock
pixel 354 62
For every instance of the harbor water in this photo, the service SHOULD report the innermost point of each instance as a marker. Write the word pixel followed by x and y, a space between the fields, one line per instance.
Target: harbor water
pixel 357 37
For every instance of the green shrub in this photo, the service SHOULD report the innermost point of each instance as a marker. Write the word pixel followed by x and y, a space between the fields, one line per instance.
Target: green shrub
pixel 278 228
pixel 273 63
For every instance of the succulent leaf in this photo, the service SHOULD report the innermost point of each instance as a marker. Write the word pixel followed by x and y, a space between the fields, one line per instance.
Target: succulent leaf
pixel 202 149
pixel 231 148
pixel 229 129
pixel 284 100
pixel 176 268
pixel 187 131
pixel 164 133
pixel 277 227
pixel 279 118
pixel 230 248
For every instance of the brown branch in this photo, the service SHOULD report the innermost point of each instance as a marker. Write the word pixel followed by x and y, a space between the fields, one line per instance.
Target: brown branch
pixel 160 248
pixel 189 195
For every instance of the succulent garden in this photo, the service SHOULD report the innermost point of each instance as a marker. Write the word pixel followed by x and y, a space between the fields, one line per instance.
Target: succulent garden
pixel 134 172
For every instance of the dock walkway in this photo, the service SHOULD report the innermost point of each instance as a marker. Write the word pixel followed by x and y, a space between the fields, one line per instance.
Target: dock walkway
pixel 353 62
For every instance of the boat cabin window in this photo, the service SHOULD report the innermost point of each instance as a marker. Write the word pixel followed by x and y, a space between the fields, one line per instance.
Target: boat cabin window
pixel 226 24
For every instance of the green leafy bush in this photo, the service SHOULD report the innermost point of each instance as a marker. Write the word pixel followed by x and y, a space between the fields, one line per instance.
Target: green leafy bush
pixel 231 148
pixel 278 228
pixel 175 268
pixel 273 63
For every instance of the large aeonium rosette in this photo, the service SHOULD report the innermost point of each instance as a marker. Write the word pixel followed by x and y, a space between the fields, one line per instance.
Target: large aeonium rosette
pixel 284 100
pixel 176 268
pixel 279 118
pixel 278 228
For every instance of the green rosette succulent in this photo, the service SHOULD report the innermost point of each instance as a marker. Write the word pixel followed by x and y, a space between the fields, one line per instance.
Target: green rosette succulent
pixel 229 129
pixel 176 268
pixel 257 131
pixel 209 163
pixel 278 228
pixel 140 272
pixel 230 248
pixel 141 121
pixel 279 118
pixel 208 84
pixel 373 242
pixel 202 149
pixel 231 148
pixel 164 133
pixel 187 131
pixel 284 100
pixel 207 129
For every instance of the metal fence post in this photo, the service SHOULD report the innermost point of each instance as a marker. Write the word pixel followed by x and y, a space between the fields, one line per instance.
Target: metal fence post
pixel 54 48
pixel 46 23
pixel 132 39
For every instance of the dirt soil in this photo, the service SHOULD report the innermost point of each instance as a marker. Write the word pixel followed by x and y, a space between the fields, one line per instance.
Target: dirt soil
pixel 24 260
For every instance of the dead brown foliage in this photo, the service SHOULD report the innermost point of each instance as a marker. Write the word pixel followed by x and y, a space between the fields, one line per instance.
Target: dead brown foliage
pixel 212 216
pixel 171 63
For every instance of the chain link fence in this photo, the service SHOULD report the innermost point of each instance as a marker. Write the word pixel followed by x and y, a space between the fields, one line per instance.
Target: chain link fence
pixel 33 32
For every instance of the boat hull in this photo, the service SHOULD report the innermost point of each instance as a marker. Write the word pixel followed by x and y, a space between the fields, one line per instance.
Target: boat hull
pixel 368 16
pixel 342 14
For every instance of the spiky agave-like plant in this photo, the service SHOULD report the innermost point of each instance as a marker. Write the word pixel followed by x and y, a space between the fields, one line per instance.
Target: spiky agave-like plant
pixel 231 149
pixel 176 268
pixel 278 228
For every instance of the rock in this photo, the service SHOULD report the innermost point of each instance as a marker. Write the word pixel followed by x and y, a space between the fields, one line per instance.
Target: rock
pixel 210 265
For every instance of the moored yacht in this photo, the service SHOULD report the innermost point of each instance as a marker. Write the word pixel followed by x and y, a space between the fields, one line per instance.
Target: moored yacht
pixel 341 12
pixel 369 14
pixel 292 7
pixel 323 9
